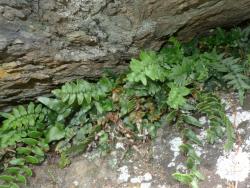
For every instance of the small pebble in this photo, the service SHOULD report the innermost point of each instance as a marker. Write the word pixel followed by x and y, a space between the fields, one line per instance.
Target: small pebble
pixel 119 145
pixel 124 176
pixel 147 177
pixel 136 180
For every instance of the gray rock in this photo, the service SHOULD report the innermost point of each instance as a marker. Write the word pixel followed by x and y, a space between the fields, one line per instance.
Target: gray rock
pixel 80 37
pixel 69 39
pixel 11 13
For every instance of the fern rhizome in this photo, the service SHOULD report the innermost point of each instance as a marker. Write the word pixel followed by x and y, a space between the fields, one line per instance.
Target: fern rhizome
pixel 161 88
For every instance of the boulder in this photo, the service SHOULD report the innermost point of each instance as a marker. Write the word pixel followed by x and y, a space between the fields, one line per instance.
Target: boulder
pixel 44 43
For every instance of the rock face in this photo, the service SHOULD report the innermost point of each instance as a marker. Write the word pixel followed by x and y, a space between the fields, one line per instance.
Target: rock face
pixel 44 43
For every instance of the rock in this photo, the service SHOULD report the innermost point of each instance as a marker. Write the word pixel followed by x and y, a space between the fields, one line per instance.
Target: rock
pixel 145 185
pixel 147 177
pixel 124 174
pixel 80 37
pixel 76 183
pixel 136 180
pixel 11 13
pixel 119 145
pixel 62 40
pixel 234 166
pixel 3 43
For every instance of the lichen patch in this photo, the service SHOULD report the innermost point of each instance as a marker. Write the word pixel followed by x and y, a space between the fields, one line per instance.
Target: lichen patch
pixel 233 166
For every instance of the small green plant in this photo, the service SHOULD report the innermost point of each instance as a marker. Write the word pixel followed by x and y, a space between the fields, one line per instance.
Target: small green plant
pixel 233 75
pixel 174 86
pixel 22 142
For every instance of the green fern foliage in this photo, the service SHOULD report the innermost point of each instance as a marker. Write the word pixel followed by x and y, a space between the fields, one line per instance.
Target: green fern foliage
pixel 21 118
pixel 75 91
pixel 16 124
pixel 82 91
pixel 234 75
pixel 211 106
pixel 22 130
pixel 176 96
pixel 176 85
pixel 148 67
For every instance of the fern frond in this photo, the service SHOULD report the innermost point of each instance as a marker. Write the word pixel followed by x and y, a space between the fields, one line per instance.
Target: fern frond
pixel 173 54
pixel 21 118
pixel 211 106
pixel 148 67
pixel 127 104
pixel 180 73
pixel 176 97
pixel 77 92
pixel 234 75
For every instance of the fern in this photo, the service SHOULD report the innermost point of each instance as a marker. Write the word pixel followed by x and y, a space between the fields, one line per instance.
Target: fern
pixel 190 70
pixel 19 121
pixel 128 104
pixel 75 91
pixel 175 81
pixel 23 126
pixel 211 106
pixel 234 75
pixel 234 42
pixel 82 91
pixel 180 73
pixel 173 54
pixel 21 118
pixel 192 176
pixel 148 67
pixel 15 176
pixel 176 96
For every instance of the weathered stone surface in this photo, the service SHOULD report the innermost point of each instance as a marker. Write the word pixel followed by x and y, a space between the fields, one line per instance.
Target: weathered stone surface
pixel 44 43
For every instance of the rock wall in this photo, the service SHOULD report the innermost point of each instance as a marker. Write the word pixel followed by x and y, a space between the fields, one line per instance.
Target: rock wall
pixel 44 43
